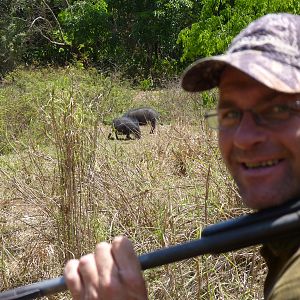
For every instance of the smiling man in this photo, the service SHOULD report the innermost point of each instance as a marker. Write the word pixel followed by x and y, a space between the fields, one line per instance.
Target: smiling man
pixel 259 138
pixel 258 122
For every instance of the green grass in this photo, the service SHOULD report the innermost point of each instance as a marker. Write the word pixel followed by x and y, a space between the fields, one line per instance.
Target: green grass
pixel 65 186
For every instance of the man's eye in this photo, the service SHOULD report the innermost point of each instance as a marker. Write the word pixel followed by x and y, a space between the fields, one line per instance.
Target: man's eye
pixel 280 108
pixel 295 106
pixel 277 112
pixel 231 115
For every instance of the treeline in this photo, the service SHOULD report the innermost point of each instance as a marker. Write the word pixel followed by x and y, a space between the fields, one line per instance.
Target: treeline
pixel 147 41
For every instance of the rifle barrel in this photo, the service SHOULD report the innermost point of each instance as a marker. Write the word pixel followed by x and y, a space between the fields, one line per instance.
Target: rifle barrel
pixel 35 290
pixel 233 238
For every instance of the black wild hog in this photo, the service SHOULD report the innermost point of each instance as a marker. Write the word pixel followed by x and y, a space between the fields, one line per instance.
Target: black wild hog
pixel 144 116
pixel 127 126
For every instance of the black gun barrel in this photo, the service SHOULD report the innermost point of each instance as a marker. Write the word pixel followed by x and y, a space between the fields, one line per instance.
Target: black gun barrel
pixel 36 290
pixel 245 236
pixel 215 240
pixel 248 219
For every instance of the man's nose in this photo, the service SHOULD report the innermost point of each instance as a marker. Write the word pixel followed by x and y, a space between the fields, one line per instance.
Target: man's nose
pixel 248 133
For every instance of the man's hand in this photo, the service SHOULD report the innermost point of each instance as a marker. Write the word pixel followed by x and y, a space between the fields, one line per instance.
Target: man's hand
pixel 113 272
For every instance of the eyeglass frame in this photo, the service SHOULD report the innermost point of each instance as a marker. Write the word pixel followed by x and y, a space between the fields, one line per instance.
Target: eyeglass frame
pixel 292 108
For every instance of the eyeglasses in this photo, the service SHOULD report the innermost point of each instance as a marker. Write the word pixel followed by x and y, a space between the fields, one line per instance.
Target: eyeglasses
pixel 264 115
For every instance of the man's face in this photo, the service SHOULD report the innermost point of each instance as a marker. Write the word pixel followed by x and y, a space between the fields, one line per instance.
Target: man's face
pixel 263 160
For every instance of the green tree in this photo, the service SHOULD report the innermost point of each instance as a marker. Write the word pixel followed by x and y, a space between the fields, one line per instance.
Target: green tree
pixel 12 36
pixel 145 34
pixel 142 39
pixel 26 31
pixel 220 20
pixel 136 37
pixel 85 29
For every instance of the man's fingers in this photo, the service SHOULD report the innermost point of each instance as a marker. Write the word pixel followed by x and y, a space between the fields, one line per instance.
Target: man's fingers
pixel 124 254
pixel 109 278
pixel 90 277
pixel 129 268
pixel 113 272
pixel 73 279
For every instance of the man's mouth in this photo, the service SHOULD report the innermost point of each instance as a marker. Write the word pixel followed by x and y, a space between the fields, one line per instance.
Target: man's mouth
pixel 262 164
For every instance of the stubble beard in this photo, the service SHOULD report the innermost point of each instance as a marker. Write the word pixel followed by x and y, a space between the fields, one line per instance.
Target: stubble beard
pixel 257 198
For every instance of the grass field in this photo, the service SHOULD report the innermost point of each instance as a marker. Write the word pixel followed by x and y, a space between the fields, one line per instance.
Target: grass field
pixel 64 185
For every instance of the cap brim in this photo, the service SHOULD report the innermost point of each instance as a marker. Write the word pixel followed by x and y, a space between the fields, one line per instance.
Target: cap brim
pixel 204 74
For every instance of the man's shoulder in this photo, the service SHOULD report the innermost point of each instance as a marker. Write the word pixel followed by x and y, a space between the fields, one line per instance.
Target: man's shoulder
pixel 287 285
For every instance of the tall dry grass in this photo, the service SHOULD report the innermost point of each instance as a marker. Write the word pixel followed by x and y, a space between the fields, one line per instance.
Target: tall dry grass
pixel 58 200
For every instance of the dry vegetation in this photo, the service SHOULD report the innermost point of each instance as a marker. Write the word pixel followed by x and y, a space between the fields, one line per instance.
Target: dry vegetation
pixel 57 201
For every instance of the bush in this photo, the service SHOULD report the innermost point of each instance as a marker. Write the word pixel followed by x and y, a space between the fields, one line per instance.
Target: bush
pixel 25 96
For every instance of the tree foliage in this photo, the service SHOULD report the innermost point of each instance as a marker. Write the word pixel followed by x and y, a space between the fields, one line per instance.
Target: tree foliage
pixel 220 21
pixel 12 36
pixel 85 29
pixel 142 39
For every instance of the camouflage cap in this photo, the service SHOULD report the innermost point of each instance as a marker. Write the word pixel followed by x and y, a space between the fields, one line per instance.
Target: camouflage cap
pixel 267 50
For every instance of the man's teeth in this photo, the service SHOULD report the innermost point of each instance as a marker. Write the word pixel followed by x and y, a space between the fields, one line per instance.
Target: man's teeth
pixel 262 164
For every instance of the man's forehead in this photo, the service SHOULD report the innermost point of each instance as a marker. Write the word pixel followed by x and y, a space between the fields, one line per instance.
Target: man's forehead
pixel 234 77
pixel 236 86
pixel 237 98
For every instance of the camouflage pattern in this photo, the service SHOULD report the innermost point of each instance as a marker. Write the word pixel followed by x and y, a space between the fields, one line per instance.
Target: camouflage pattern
pixel 267 50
